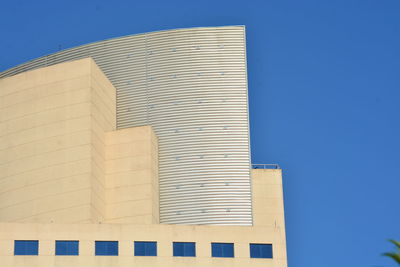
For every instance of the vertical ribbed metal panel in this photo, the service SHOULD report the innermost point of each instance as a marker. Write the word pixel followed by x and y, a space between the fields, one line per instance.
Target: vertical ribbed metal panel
pixel 191 86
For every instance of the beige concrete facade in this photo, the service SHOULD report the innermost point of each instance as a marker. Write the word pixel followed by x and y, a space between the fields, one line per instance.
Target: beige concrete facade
pixel 52 122
pixel 268 209
pixel 67 174
pixel 131 179
pixel 241 236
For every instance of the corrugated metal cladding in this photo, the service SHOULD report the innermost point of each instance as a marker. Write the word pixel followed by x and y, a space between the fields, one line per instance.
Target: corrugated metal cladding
pixel 191 86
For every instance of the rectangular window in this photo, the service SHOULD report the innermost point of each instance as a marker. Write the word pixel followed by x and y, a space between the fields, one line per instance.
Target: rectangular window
pixel 26 247
pixel 106 248
pixel 222 250
pixel 184 249
pixel 261 251
pixel 145 248
pixel 70 248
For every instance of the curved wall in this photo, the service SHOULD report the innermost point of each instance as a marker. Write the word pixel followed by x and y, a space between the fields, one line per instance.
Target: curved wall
pixel 191 86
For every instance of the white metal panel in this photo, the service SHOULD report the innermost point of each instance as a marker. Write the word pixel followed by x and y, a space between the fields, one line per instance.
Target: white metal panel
pixel 191 86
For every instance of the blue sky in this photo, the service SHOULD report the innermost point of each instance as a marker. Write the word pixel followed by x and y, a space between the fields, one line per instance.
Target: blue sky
pixel 324 90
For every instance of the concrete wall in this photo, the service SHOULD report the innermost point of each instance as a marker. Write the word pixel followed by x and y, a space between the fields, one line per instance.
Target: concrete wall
pixel 61 159
pixel 268 216
pixel 241 236
pixel 103 119
pixel 268 209
pixel 51 125
pixel 132 176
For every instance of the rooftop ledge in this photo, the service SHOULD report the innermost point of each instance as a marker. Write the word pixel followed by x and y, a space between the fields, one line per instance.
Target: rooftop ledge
pixel 265 166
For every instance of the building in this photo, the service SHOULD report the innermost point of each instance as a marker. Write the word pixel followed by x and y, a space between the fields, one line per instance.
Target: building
pixel 135 151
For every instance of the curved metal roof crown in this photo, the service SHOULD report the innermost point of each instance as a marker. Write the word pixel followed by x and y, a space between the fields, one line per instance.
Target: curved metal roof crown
pixel 191 86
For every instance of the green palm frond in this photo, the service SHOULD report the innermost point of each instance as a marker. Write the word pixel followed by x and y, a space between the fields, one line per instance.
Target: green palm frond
pixel 396 243
pixel 394 256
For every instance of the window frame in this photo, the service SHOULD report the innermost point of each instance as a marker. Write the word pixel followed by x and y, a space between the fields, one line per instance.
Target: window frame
pixel 68 248
pixel 186 247
pixel 147 249
pixel 19 251
pixel 223 246
pixel 107 249
pixel 257 252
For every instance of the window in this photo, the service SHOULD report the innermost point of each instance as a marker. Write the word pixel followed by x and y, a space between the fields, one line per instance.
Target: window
pixel 106 248
pixel 67 248
pixel 184 249
pixel 222 250
pixel 261 251
pixel 145 248
pixel 26 247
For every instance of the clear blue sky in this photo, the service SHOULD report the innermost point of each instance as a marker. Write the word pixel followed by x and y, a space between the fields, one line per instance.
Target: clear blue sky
pixel 324 85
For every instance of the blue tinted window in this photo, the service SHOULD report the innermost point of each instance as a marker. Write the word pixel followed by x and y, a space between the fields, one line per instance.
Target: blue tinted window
pixel 224 250
pixel 67 247
pixel 106 248
pixel 261 251
pixel 26 247
pixel 145 248
pixel 184 249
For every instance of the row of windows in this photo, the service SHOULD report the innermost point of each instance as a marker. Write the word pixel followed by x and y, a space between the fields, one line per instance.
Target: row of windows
pixel 141 248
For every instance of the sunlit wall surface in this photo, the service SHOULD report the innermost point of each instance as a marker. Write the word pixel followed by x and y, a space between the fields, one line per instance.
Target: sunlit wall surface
pixel 191 86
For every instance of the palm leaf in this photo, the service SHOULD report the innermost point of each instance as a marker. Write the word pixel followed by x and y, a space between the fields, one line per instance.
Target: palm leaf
pixel 394 256
pixel 396 243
